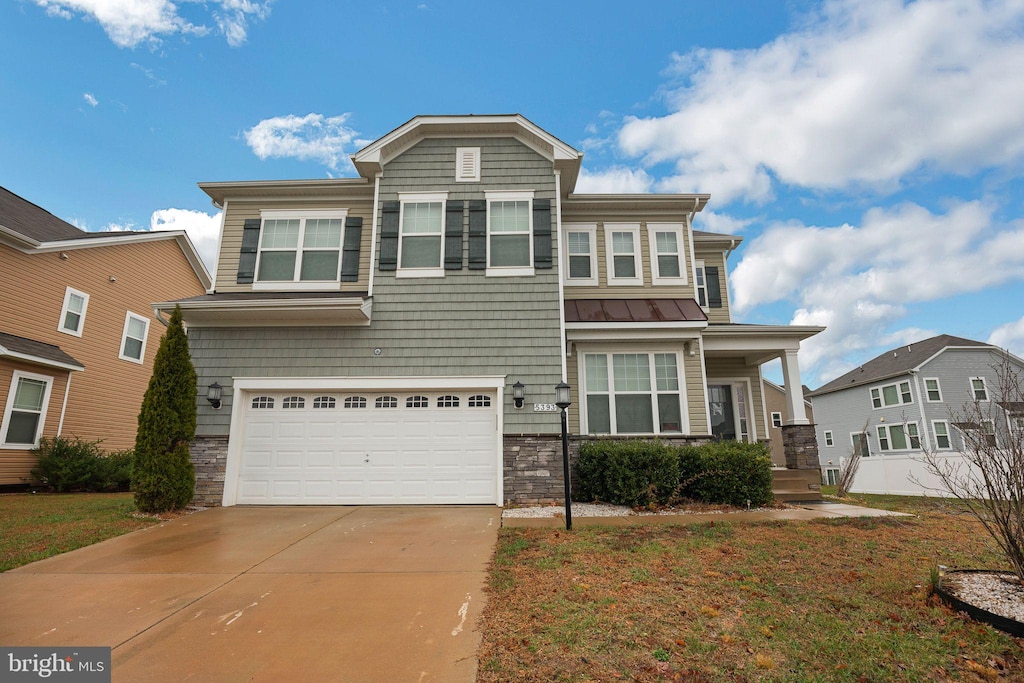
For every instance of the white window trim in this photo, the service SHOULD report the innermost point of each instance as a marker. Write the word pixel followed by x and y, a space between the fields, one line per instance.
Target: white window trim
pixel 906 433
pixel 295 284
pixel 949 436
pixel 652 245
pixel 830 441
pixel 591 230
pixel 510 196
pixel 899 393
pixel 698 266
pixel 68 291
pixel 609 254
pixel 420 198
pixel 984 382
pixel 8 409
pixel 460 153
pixel 124 335
pixel 779 425
pixel 867 438
pixel 684 417
pixel 938 387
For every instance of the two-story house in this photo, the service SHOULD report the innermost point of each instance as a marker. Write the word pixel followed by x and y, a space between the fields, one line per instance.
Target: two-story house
pixel 909 400
pixel 76 340
pixel 397 337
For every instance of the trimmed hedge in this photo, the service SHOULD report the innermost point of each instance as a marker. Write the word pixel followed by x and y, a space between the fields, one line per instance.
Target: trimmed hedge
pixel 642 473
pixel 79 465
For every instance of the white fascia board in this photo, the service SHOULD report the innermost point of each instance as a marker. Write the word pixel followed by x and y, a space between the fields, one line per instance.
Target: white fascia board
pixel 653 326
pixel 16 239
pixel 7 353
pixel 645 334
pixel 987 347
pixel 496 382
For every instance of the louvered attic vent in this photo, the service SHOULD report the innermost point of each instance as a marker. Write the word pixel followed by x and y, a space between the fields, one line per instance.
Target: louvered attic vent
pixel 467 165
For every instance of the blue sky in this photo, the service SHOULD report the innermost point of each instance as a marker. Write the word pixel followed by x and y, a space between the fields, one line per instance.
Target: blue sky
pixel 869 153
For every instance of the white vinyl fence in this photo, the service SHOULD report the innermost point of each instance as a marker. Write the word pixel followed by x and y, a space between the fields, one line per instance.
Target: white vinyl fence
pixel 902 475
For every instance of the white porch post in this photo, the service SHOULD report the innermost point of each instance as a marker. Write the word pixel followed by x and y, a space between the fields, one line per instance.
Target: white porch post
pixel 794 390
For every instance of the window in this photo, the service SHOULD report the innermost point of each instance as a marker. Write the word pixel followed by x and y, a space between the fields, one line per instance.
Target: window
pixel 632 393
pixel 448 402
pixel 480 401
pixel 263 402
pixel 941 430
pixel 72 313
pixel 467 164
pixel 300 249
pixel 896 437
pixel 859 441
pixel 829 441
pixel 25 413
pixel 622 248
pixel 581 262
pixel 509 233
pixel 133 338
pixel 700 285
pixel 420 233
pixel 666 246
pixel 932 390
pixel 355 402
pixel 293 403
pixel 322 402
pixel 417 402
pixel 386 402
pixel 978 436
pixel 979 390
pixel 776 420
pixel 891 395
pixel 831 476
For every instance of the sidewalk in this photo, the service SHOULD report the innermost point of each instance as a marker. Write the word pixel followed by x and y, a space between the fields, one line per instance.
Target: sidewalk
pixel 797 511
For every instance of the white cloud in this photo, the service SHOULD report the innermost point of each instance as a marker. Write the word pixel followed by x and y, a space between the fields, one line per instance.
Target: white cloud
pixel 847 277
pixel 90 99
pixel 202 228
pixel 149 74
pixel 712 221
pixel 129 23
pixel 1009 336
pixel 617 179
pixel 864 95
pixel 312 137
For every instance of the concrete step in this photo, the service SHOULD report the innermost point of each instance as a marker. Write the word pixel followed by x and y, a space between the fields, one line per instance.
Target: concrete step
pixel 796 496
pixel 796 485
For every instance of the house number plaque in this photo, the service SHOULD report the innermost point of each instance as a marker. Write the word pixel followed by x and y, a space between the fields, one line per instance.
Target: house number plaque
pixel 545 408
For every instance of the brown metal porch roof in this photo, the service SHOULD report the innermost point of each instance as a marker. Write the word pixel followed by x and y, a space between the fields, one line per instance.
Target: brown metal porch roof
pixel 633 311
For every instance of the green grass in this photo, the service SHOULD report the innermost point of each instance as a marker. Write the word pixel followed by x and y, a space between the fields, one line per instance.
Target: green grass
pixel 36 526
pixel 829 600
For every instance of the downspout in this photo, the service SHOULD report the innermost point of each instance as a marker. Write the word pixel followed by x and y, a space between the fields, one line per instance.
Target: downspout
pixel 373 232
pixel 924 432
pixel 64 406
pixel 558 271
pixel 693 258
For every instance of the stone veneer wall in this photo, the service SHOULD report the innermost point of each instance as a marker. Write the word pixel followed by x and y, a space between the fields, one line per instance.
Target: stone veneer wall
pixel 801 447
pixel 210 459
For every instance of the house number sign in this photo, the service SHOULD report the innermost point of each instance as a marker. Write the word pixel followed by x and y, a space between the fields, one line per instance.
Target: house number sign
pixel 545 408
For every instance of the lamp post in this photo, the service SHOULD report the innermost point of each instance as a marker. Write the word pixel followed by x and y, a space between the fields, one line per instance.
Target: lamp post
pixel 562 400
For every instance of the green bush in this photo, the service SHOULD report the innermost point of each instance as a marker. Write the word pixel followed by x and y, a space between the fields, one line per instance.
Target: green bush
pixel 641 473
pixel 78 465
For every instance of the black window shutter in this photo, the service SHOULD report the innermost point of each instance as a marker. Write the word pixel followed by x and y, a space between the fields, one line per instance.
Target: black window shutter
pixel 453 236
pixel 389 235
pixel 350 249
pixel 714 286
pixel 542 233
pixel 477 234
pixel 250 245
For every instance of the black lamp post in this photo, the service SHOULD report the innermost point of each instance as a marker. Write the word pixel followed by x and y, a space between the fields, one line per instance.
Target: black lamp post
pixel 563 401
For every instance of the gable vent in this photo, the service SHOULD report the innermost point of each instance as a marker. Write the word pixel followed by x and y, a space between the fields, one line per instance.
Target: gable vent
pixel 467 165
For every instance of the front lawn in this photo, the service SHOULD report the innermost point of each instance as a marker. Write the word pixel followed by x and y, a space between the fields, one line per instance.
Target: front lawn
pixel 36 526
pixel 835 600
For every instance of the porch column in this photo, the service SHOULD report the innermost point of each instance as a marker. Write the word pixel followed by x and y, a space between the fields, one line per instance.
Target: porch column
pixel 794 390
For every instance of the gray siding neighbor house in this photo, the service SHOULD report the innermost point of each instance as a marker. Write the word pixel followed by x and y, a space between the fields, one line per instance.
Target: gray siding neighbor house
pixel 397 337
pixel 903 403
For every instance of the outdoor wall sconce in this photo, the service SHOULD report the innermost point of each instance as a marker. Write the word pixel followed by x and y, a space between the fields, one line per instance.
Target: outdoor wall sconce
pixel 213 393
pixel 518 394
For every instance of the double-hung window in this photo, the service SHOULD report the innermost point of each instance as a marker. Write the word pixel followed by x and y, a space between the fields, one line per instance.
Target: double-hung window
pixel 666 247
pixel 979 389
pixel 622 249
pixel 891 395
pixel 301 249
pixel 700 284
pixel 509 232
pixel 420 237
pixel 633 393
pixel 581 260
pixel 932 390
pixel 72 313
pixel 25 412
pixel 133 337
pixel 940 428
pixel 898 437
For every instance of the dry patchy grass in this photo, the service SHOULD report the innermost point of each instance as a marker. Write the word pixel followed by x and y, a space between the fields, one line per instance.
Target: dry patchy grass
pixel 833 600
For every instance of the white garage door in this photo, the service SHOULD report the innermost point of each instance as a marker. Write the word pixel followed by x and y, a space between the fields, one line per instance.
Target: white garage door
pixel 368 447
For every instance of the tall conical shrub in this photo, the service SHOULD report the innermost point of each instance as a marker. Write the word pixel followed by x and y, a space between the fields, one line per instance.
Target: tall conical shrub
pixel 164 478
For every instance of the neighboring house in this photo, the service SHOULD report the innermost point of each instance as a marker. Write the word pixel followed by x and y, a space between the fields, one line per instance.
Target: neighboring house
pixel 775 404
pixel 904 402
pixel 76 334
pixel 397 337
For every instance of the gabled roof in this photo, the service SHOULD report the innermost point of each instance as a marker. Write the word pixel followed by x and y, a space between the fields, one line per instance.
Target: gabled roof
pixel 22 348
pixel 898 361
pixel 21 216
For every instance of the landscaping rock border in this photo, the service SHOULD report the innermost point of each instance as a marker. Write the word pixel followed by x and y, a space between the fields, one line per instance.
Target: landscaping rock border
pixel 987 600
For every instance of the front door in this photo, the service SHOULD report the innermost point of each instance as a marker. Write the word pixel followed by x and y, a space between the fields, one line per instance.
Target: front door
pixel 723 420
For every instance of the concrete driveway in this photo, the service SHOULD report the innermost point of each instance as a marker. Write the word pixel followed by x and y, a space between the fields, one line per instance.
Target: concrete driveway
pixel 270 594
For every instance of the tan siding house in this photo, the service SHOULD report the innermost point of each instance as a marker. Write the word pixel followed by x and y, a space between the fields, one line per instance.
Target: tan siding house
pixel 76 314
